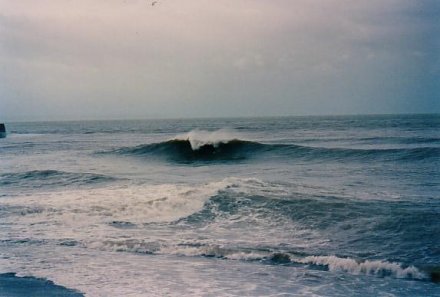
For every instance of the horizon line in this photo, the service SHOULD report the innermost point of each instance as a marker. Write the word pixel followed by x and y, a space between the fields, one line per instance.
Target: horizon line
pixel 217 117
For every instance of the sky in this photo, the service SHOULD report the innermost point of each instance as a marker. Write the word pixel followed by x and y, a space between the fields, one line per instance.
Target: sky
pixel 122 59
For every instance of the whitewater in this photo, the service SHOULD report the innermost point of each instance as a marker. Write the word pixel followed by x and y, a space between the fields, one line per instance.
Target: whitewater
pixel 287 206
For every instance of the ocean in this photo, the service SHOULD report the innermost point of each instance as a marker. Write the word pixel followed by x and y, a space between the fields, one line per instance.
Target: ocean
pixel 280 206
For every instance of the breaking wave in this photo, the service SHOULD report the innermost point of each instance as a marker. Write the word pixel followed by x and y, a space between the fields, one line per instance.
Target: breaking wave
pixel 183 150
pixel 378 268
pixel 192 150
pixel 367 267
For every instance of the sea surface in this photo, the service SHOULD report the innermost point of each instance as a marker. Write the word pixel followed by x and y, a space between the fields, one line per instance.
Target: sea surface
pixel 291 206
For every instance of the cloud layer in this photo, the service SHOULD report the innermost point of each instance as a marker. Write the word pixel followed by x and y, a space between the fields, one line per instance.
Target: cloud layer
pixel 128 59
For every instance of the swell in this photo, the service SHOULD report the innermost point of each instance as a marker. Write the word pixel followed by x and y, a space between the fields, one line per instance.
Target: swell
pixel 47 178
pixel 229 150
pixel 398 154
pixel 385 140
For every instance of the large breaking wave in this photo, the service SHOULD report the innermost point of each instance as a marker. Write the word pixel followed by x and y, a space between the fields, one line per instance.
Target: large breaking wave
pixel 182 150
pixel 221 146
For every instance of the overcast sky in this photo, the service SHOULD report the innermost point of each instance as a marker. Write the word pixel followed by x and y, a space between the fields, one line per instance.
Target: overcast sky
pixel 105 59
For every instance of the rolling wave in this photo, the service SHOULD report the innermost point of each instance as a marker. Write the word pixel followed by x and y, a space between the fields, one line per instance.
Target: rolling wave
pixel 184 150
pixel 47 178
pixel 272 256
pixel 367 267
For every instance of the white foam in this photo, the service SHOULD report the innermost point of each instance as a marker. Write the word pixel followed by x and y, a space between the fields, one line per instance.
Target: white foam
pixel 376 267
pixel 135 204
pixel 199 138
pixel 212 250
pixel 83 214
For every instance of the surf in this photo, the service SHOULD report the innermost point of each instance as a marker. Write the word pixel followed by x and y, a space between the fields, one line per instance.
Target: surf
pixel 198 145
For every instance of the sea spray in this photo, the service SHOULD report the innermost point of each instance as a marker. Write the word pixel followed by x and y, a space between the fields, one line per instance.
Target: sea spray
pixel 200 138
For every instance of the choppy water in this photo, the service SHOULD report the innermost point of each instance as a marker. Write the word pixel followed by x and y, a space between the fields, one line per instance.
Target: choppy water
pixel 306 206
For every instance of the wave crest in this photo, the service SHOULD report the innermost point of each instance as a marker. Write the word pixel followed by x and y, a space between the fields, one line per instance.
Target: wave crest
pixel 190 150
pixel 377 267
pixel 200 138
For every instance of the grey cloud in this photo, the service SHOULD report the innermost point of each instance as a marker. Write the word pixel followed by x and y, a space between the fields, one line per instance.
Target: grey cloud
pixel 225 58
